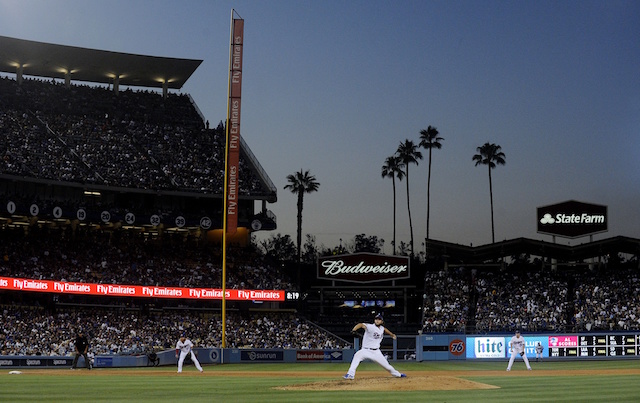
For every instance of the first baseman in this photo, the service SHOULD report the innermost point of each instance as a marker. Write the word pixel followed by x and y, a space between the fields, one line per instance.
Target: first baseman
pixel 517 346
pixel 183 347
pixel 373 334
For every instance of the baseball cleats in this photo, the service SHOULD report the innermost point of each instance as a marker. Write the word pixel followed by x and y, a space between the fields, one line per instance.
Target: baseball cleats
pixel 403 376
pixel 348 377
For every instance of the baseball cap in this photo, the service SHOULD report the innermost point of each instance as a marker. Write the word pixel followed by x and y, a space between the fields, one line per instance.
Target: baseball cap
pixel 379 316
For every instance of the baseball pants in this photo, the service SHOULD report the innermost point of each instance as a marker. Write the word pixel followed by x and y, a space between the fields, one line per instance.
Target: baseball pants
pixel 183 355
pixel 513 357
pixel 372 355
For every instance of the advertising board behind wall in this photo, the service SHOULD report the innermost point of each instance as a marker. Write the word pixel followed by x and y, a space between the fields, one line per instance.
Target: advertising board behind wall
pixel 363 267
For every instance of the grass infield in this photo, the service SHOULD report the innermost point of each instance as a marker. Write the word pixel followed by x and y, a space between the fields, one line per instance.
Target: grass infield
pixel 574 381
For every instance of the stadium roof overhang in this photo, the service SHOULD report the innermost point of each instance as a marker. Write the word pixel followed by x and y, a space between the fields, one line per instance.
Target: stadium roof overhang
pixel 91 65
pixel 519 246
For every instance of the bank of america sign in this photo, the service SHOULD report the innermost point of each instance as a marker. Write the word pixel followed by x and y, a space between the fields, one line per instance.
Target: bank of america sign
pixel 572 219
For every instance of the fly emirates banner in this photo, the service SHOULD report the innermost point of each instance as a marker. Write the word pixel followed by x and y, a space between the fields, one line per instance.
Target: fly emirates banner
pixel 117 290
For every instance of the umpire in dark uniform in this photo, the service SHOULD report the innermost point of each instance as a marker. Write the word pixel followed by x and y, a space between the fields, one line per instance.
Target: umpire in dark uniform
pixel 82 346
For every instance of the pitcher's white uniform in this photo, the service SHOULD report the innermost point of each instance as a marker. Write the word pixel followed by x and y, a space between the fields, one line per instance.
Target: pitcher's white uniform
pixel 517 347
pixel 184 346
pixel 370 350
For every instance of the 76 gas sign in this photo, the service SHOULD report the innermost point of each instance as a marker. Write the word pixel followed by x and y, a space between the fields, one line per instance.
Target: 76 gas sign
pixel 456 347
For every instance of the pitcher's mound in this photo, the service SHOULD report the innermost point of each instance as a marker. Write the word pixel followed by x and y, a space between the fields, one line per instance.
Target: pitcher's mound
pixel 393 384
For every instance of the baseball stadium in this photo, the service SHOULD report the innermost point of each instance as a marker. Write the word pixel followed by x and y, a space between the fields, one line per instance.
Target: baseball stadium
pixel 126 217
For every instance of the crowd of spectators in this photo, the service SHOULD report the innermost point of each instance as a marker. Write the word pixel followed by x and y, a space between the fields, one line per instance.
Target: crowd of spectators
pixel 99 256
pixel 592 298
pixel 135 139
pixel 446 305
pixel 35 331
pixel 526 300
pixel 608 300
pixel 102 257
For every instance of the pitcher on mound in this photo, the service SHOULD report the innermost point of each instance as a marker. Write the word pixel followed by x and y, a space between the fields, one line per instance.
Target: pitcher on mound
pixel 373 334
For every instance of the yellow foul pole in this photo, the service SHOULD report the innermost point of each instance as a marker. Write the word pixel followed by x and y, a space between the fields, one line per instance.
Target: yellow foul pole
pixel 232 154
pixel 225 201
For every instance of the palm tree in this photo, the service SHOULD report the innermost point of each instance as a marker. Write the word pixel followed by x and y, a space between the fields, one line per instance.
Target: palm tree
pixel 429 140
pixel 301 183
pixel 490 154
pixel 392 168
pixel 409 154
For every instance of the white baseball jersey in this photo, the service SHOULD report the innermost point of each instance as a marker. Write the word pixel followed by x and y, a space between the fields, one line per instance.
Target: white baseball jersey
pixel 372 336
pixel 539 348
pixel 517 344
pixel 184 347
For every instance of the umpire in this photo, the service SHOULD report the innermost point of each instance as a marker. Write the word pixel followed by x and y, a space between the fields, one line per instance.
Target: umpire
pixel 82 346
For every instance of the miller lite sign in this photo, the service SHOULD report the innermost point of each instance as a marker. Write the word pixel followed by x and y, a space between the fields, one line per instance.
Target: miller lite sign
pixel 363 267
pixel 572 219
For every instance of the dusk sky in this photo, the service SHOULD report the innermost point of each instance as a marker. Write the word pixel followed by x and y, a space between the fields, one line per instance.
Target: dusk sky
pixel 334 87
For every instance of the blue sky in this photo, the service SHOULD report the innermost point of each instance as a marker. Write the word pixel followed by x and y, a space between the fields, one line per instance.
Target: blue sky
pixel 335 86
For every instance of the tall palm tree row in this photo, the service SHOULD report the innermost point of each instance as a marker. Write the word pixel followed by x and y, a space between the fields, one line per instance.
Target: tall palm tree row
pixel 299 184
pixel 491 155
pixel 393 168
pixel 429 140
pixel 409 154
pixel 397 166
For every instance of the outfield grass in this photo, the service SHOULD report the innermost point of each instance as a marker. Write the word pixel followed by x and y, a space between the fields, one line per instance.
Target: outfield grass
pixel 612 381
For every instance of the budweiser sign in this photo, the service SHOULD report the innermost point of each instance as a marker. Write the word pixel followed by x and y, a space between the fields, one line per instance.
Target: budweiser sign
pixel 363 267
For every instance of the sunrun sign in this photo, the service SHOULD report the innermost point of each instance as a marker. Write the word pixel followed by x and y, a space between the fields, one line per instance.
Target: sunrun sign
pixel 572 219
pixel 363 267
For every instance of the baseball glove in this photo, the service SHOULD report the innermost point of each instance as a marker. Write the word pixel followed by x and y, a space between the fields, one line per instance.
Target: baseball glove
pixel 355 333
pixel 522 354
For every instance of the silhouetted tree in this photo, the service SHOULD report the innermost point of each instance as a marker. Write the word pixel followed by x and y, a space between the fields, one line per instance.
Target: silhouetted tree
pixel 299 184
pixel 409 154
pixel 491 155
pixel 392 168
pixel 429 140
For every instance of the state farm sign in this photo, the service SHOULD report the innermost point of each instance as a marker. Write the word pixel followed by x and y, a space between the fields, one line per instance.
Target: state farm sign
pixel 572 219
pixel 363 267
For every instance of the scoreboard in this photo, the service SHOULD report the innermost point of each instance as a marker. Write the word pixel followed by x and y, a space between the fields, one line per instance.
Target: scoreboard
pixel 600 345
pixel 576 346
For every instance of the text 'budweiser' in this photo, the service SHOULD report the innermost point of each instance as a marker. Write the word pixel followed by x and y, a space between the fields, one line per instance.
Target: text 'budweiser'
pixel 335 267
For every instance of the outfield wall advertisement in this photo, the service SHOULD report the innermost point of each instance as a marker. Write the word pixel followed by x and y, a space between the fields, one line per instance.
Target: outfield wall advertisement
pixel 557 345
pixel 444 347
